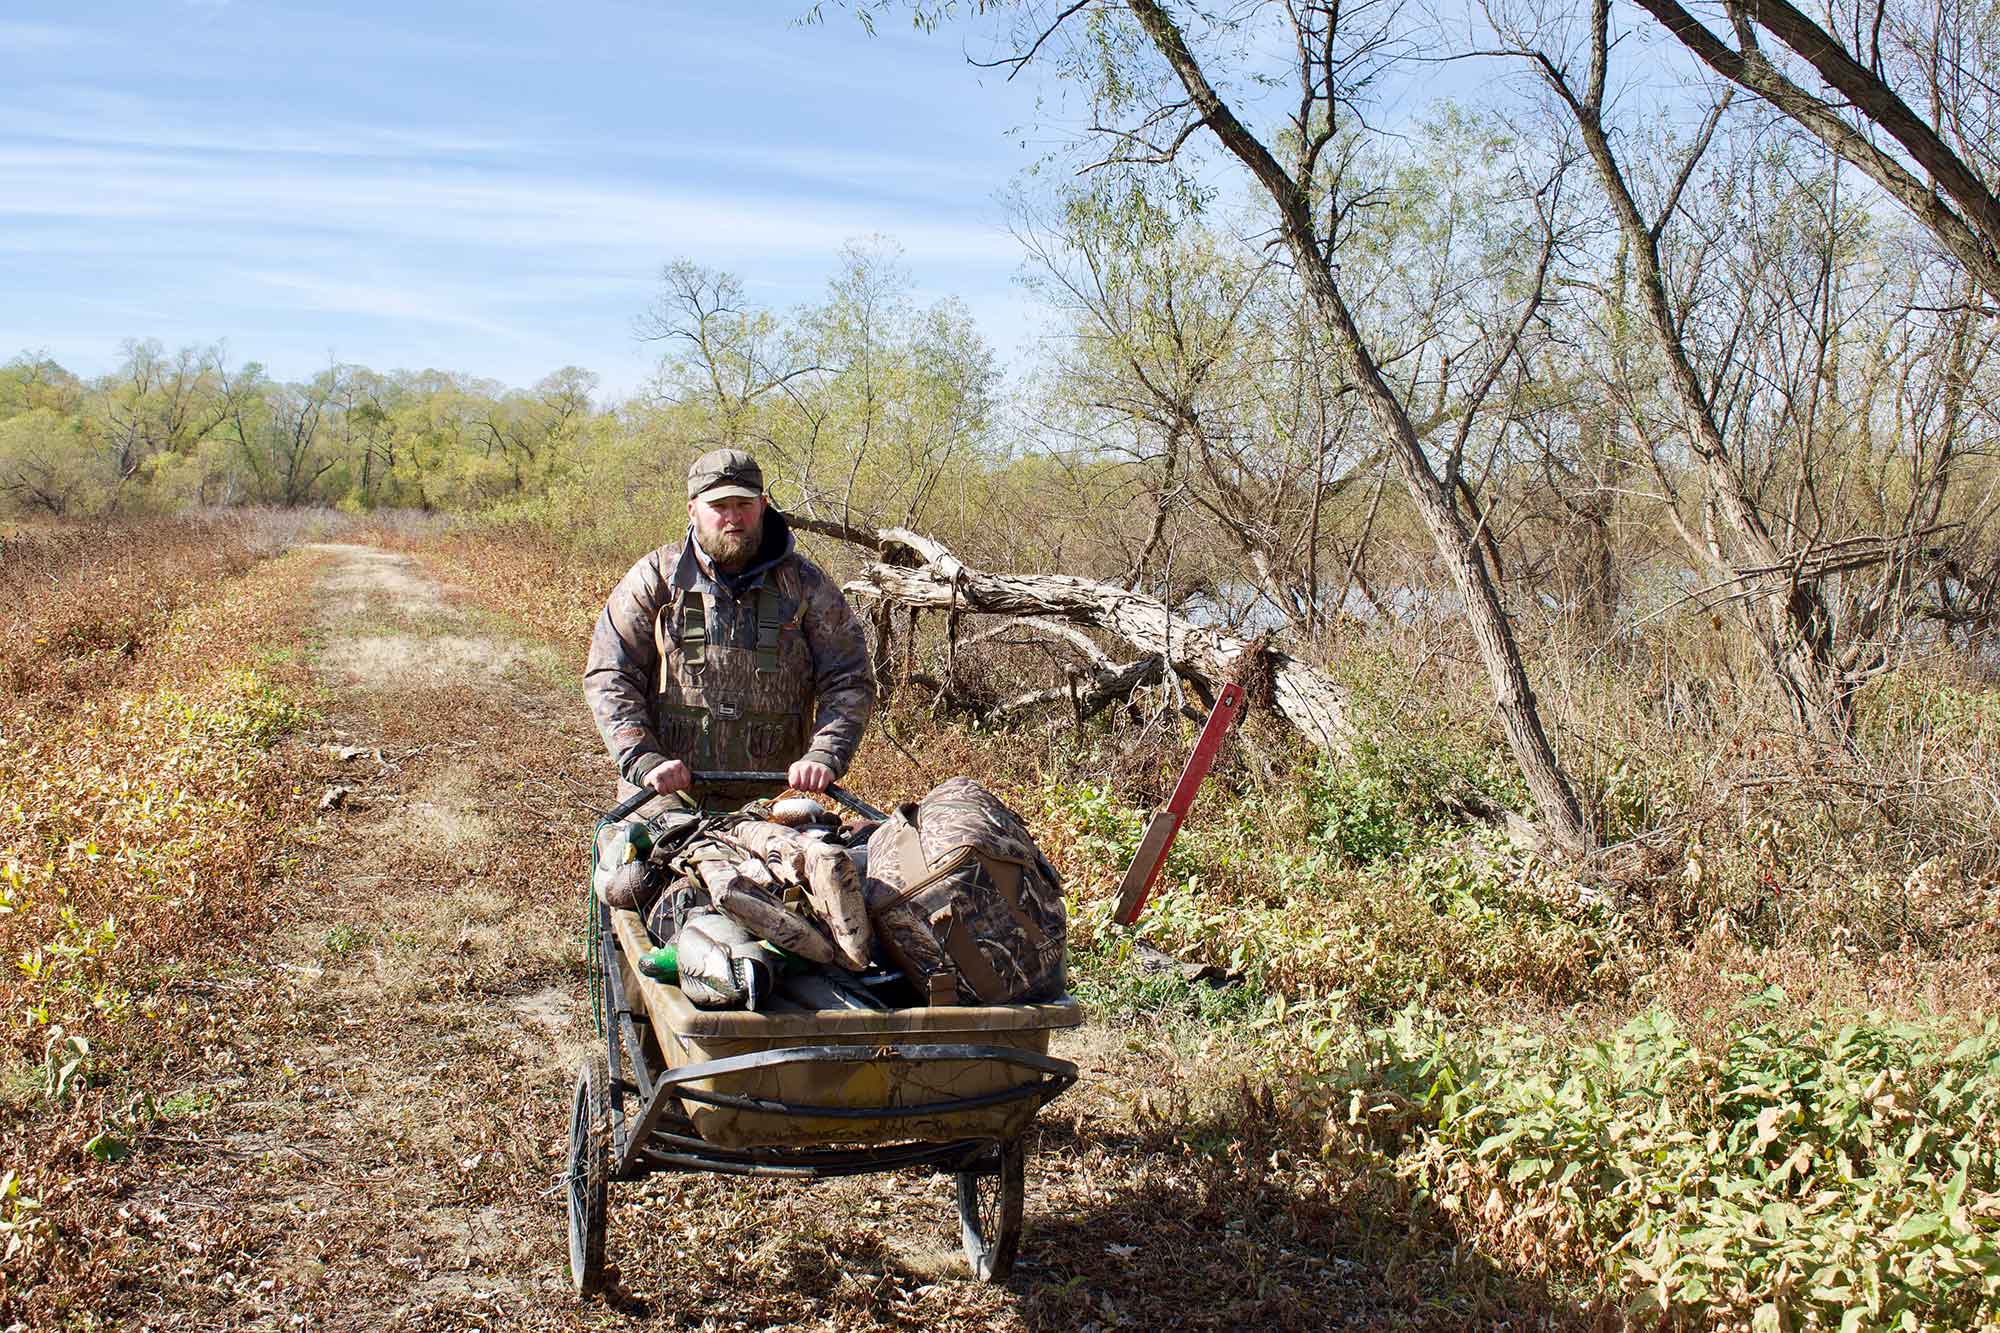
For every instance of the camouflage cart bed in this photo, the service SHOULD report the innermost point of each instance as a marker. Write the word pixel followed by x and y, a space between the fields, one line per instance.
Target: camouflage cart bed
pixel 806 1094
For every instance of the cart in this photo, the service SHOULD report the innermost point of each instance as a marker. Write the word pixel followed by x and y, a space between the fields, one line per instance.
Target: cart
pixel 803 1094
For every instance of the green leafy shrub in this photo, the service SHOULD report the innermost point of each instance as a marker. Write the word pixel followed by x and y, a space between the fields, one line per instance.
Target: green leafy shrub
pixel 1399 790
pixel 1363 813
pixel 1907 706
pixel 1789 1174
pixel 1634 791
pixel 1461 921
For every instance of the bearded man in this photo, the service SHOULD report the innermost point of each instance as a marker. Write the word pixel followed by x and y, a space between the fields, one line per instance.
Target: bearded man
pixel 728 651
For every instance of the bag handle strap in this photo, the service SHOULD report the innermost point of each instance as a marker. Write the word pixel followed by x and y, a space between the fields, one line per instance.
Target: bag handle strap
pixel 1009 874
pixel 930 876
pixel 972 963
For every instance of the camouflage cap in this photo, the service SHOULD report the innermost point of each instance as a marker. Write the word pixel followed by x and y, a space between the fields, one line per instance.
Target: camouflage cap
pixel 721 472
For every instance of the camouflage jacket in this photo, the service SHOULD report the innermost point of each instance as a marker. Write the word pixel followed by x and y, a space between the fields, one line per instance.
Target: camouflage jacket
pixel 778 669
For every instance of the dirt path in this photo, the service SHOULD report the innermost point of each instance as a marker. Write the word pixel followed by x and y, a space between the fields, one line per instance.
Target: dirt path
pixel 374 1149
pixel 379 1145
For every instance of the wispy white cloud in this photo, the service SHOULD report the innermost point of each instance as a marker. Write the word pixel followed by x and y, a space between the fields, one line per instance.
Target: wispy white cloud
pixel 402 301
pixel 463 207
pixel 855 169
pixel 108 118
pixel 36 37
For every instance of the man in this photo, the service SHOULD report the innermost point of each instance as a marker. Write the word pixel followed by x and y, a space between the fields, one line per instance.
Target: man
pixel 728 650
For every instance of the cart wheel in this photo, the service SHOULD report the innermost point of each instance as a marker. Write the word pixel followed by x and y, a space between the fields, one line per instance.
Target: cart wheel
pixel 588 1175
pixel 989 1213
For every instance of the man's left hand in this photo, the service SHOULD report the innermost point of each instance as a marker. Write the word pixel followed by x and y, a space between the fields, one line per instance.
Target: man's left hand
pixel 806 775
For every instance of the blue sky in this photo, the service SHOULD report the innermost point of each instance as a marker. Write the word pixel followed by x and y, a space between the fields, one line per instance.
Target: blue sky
pixel 490 188
pixel 494 187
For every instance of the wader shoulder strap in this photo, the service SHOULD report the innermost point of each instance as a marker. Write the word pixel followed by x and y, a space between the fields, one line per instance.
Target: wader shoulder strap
pixel 693 629
pixel 769 622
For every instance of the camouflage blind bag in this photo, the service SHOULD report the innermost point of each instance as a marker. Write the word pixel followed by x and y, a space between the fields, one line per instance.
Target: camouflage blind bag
pixel 961 899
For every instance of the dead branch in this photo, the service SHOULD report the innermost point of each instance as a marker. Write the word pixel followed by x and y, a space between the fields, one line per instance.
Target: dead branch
pixel 1107 685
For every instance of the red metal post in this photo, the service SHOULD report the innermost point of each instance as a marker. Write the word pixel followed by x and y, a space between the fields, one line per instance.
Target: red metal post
pixel 1166 821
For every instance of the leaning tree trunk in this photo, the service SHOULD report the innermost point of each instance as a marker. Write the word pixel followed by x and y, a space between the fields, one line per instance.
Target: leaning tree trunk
pixel 1819 695
pixel 1519 716
pixel 1798 639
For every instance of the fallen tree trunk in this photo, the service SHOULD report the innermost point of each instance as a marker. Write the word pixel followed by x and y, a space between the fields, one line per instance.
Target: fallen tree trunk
pixel 917 571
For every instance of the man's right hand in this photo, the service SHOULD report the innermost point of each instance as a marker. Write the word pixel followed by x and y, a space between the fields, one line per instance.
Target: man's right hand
pixel 669 777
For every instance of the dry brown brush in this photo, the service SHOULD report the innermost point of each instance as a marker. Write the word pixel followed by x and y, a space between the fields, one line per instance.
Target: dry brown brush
pixel 142 802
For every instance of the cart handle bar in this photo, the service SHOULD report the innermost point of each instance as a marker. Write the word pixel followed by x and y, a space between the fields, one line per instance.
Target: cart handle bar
pixel 835 790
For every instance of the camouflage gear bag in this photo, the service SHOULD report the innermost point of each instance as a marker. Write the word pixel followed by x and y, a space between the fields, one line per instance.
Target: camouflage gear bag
pixel 957 890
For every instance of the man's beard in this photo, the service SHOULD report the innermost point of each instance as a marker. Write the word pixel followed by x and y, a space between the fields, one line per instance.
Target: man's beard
pixel 731 551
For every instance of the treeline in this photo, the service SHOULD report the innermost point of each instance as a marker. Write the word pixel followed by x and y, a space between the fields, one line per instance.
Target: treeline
pixel 866 403
pixel 165 431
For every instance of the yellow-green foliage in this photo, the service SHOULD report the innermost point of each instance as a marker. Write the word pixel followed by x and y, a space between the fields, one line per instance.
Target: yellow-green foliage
pixel 1786 1173
pixel 143 823
pixel 1439 910
pixel 1914 707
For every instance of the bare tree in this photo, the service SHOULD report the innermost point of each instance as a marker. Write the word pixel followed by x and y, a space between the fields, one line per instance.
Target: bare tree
pixel 1186 362
pixel 1760 458
pixel 722 352
pixel 1565 548
pixel 1937 165
pixel 893 399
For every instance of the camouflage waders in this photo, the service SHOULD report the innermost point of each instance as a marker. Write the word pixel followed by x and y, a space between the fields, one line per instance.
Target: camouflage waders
pixel 731 708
